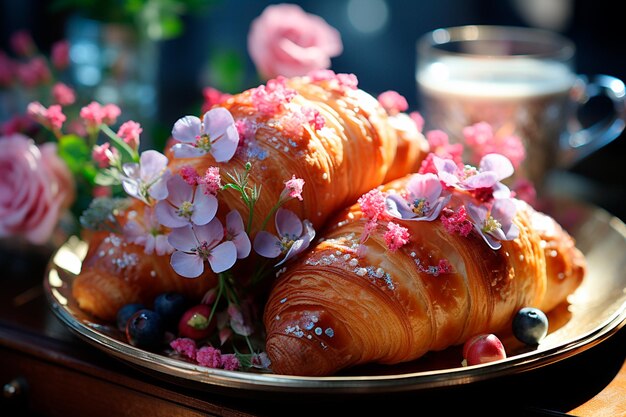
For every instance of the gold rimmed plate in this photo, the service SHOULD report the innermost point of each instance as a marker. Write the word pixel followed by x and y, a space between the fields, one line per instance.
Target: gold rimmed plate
pixel 593 313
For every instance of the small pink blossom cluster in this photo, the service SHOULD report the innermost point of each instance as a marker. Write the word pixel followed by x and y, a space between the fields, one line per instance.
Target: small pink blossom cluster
pixel 213 97
pixel 32 71
pixel 340 82
pixel 393 102
pixel 482 140
pixel 206 355
pixel 270 99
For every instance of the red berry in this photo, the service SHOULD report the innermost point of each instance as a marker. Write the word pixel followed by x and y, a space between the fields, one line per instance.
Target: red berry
pixel 195 324
pixel 483 348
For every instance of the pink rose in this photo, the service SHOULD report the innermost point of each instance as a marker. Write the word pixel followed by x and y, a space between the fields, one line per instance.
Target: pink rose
pixel 35 188
pixel 285 40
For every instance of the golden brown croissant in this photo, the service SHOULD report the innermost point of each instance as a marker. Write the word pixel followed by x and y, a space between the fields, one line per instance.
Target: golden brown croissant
pixel 322 129
pixel 116 272
pixel 347 303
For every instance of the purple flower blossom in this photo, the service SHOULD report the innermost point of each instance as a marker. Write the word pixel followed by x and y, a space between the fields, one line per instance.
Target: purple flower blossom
pixel 215 134
pixel 294 237
pixel 147 232
pixel 492 169
pixel 236 233
pixel 148 178
pixel 423 199
pixel 496 224
pixel 197 244
pixel 185 204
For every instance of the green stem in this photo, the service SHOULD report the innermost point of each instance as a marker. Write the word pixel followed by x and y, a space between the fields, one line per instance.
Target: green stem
pixel 119 142
pixel 218 296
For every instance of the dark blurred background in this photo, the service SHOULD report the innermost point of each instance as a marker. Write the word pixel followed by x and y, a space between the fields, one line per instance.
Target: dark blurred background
pixel 207 46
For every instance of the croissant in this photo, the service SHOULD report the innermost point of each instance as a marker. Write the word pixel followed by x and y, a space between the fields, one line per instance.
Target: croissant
pixel 348 303
pixel 321 128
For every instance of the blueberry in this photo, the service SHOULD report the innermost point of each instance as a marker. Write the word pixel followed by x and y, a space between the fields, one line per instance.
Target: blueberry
pixel 124 313
pixel 145 329
pixel 530 325
pixel 170 306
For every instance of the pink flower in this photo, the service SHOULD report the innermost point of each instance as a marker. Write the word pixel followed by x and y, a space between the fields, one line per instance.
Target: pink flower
pixel 212 180
pixel 95 114
pixel 129 132
pixel 422 200
pixel 456 221
pixel 104 155
pixel 22 43
pixel 212 97
pixel 189 174
pixel 285 40
pixel 495 224
pixel 195 245
pixel 271 98
pixel 60 55
pixel 52 118
pixel 185 205
pixel 92 114
pixel 418 119
pixel 55 117
pixel 373 204
pixel 236 233
pixel 230 362
pixel 34 73
pixel 293 188
pixel 335 81
pixel 110 113
pixel 63 95
pixel 215 134
pixel 147 179
pixel 294 236
pixel 7 70
pixel 393 102
pixel 492 169
pixel 209 356
pixel 396 236
pixel 35 187
pixel 481 139
pixel 19 123
pixel 185 346
pixel 147 232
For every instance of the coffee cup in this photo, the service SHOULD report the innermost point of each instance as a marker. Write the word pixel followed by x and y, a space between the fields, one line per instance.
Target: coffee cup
pixel 523 83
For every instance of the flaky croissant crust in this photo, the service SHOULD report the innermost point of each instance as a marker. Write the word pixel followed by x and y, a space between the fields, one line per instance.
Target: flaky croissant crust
pixel 359 147
pixel 338 307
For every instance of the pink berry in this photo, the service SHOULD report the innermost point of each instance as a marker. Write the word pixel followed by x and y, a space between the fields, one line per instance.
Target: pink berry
pixel 483 348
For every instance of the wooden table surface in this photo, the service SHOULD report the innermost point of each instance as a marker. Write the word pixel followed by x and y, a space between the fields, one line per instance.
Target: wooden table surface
pixel 59 374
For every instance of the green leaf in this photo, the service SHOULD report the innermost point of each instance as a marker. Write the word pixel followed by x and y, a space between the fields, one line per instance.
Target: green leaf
pixel 227 70
pixel 75 152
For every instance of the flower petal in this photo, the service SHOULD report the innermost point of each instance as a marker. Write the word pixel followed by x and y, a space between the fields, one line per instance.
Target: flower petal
pixel 217 121
pixel 481 180
pixel 398 207
pixel 211 233
pixel 204 207
pixel 234 222
pixel 497 163
pixel 223 148
pixel 179 191
pixel 186 129
pixel 242 242
pixel 446 170
pixel 266 244
pixel 158 190
pixel 426 186
pixel 168 215
pixel 152 164
pixel 223 257
pixel 183 150
pixel 183 239
pixel 288 223
pixel 187 265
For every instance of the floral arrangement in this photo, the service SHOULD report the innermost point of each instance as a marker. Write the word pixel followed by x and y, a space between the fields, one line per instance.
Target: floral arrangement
pixel 79 158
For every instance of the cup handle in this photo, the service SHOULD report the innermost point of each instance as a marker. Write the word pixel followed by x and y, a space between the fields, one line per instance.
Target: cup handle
pixel 578 143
